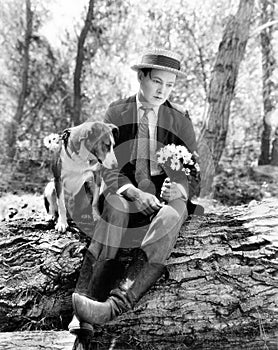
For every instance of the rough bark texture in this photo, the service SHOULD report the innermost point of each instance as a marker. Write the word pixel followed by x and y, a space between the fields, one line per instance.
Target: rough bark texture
pixel 48 340
pixel 222 291
pixel 221 92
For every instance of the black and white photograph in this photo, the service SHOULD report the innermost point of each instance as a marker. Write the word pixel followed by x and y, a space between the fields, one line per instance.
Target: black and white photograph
pixel 139 175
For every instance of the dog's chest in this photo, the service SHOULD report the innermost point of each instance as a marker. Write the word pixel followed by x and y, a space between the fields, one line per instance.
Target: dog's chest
pixel 75 172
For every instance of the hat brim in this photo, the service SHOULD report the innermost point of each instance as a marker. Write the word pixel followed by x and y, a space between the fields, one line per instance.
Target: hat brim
pixel 179 73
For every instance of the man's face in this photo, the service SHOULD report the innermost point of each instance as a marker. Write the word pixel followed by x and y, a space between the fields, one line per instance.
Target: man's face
pixel 156 86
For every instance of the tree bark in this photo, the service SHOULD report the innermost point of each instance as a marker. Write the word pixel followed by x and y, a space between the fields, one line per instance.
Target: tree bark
pixel 12 126
pixel 47 340
pixel 212 138
pixel 269 86
pixel 79 64
pixel 222 291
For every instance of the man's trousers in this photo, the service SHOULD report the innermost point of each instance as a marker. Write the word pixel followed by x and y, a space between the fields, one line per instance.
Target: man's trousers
pixel 122 226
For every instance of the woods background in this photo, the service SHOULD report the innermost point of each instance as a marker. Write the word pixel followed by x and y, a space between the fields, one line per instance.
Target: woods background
pixel 63 62
pixel 61 66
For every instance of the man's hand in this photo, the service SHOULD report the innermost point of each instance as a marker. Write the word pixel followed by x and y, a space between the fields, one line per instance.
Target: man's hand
pixel 171 191
pixel 145 202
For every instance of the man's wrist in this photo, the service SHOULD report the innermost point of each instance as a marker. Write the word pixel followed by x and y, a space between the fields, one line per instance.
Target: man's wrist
pixel 132 193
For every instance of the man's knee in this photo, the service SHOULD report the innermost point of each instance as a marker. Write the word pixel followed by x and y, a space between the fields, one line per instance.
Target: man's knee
pixel 174 212
pixel 115 207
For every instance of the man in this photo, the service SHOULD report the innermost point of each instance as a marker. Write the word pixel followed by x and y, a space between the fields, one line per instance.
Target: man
pixel 147 209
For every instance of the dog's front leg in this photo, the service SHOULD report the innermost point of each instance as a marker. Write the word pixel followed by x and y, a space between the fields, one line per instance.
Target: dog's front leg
pixel 62 222
pixel 50 201
pixel 95 211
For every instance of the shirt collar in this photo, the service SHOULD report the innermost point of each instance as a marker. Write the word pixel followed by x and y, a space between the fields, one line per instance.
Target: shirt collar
pixel 139 104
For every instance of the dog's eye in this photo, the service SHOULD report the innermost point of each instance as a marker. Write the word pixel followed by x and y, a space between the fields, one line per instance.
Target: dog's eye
pixel 108 146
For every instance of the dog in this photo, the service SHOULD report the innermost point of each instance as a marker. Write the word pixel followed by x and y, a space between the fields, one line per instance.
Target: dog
pixel 79 155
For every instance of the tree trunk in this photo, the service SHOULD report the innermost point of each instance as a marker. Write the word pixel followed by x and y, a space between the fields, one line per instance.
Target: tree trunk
pixel 12 126
pixel 48 340
pixel 269 86
pixel 222 292
pixel 30 116
pixel 274 151
pixel 79 64
pixel 212 138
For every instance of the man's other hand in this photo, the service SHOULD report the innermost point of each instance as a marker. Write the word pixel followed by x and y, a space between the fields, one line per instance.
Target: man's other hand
pixel 171 191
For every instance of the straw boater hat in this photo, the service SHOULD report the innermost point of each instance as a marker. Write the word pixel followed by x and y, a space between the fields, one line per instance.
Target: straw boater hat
pixel 160 59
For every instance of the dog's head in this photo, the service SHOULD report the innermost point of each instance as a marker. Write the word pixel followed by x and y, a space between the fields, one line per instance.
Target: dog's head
pixel 94 142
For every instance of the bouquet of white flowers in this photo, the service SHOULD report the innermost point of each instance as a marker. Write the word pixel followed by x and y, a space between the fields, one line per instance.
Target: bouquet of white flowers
pixel 177 161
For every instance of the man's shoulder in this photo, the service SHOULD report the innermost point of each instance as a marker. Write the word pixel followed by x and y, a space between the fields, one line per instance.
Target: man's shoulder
pixel 181 110
pixel 123 101
pixel 119 107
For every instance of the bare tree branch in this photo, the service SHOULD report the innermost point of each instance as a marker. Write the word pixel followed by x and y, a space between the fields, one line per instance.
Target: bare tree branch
pixel 12 128
pixel 79 64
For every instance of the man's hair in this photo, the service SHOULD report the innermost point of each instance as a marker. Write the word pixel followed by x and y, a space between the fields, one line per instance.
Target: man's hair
pixel 146 71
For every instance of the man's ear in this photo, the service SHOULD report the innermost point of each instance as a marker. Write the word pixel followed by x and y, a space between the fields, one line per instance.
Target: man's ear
pixel 140 76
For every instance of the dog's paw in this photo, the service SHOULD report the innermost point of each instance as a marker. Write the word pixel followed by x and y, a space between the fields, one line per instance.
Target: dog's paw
pixel 49 218
pixel 95 214
pixel 61 226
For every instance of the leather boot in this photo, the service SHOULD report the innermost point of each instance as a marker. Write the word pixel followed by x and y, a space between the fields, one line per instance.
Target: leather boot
pixel 121 299
pixel 96 279
pixel 85 274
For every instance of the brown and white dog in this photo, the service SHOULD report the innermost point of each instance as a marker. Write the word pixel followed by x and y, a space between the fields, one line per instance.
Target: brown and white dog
pixel 79 155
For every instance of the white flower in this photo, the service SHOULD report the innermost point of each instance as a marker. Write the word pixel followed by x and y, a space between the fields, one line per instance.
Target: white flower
pixel 178 151
pixel 52 142
pixel 169 150
pixel 197 167
pixel 186 158
pixel 186 171
pixel 175 164
pixel 183 152
pixel 161 156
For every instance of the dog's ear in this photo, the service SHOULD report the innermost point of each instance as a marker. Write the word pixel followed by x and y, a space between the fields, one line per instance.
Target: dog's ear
pixel 79 133
pixel 115 131
pixel 91 133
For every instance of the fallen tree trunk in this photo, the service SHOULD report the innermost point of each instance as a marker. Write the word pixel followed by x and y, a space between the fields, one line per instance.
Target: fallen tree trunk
pixel 43 340
pixel 222 291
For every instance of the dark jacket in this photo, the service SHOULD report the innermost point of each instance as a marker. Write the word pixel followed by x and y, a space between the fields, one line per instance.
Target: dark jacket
pixel 174 126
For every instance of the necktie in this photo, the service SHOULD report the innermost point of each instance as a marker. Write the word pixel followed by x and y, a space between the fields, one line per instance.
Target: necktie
pixel 142 171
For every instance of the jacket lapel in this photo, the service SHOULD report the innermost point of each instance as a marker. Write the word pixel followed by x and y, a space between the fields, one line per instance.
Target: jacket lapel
pixel 164 124
pixel 128 121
